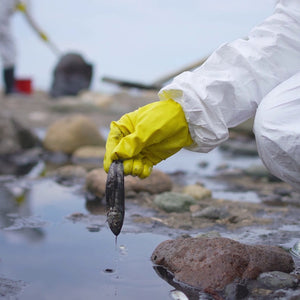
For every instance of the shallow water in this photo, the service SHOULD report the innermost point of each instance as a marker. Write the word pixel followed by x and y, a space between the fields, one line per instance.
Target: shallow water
pixel 57 258
pixel 190 163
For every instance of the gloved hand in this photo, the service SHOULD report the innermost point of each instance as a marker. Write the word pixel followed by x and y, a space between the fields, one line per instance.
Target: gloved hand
pixel 147 136
pixel 43 36
pixel 21 7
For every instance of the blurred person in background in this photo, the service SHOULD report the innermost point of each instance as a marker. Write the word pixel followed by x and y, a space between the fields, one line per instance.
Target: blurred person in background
pixel 8 51
pixel 254 77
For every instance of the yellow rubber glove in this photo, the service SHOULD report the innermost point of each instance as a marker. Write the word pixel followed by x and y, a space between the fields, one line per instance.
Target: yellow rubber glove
pixel 21 7
pixel 147 136
pixel 43 36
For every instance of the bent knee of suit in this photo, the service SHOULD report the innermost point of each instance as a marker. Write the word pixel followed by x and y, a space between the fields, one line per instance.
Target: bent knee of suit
pixel 277 133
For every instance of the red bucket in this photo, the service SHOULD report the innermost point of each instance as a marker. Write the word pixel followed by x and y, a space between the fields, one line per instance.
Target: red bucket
pixel 23 86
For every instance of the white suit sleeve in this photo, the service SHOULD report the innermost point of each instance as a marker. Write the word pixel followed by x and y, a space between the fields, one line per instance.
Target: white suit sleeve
pixel 229 86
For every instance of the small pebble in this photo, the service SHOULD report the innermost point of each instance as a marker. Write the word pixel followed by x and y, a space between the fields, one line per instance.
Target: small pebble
pixel 277 280
pixel 210 212
pixel 203 164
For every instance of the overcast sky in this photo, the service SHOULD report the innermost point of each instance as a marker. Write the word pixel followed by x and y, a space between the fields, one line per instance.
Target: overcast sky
pixel 131 39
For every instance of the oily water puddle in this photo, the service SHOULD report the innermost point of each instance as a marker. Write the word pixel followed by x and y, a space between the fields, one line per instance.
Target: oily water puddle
pixel 45 254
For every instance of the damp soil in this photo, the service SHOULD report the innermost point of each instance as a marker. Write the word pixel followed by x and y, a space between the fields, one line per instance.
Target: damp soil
pixel 56 243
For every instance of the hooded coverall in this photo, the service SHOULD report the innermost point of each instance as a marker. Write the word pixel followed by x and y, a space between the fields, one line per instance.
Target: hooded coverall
pixel 260 77
pixel 7 45
pixel 7 42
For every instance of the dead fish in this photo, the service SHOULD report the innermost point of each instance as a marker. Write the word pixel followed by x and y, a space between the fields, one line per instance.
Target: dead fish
pixel 115 199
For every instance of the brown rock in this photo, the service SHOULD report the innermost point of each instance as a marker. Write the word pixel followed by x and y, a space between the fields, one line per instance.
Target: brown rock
pixel 72 132
pixel 87 152
pixel 90 157
pixel 67 172
pixel 213 263
pixel 157 182
pixel 95 182
pixel 197 191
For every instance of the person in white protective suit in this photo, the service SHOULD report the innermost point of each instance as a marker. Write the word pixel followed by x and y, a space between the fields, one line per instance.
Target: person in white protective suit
pixel 7 44
pixel 258 76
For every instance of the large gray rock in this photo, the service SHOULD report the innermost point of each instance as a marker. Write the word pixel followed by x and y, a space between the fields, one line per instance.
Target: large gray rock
pixel 14 137
pixel 72 132
pixel 71 75
pixel 213 263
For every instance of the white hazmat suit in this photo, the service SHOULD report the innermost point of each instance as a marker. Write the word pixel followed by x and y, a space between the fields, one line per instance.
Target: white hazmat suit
pixel 258 76
pixel 7 43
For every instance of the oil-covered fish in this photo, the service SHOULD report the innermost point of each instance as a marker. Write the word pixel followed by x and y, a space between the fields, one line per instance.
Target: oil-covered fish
pixel 115 199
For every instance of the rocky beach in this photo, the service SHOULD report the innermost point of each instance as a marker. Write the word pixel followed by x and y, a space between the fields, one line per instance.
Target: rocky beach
pixel 221 214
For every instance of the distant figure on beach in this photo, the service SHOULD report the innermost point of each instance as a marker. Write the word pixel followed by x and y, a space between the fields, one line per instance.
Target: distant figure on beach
pixel 255 77
pixel 8 51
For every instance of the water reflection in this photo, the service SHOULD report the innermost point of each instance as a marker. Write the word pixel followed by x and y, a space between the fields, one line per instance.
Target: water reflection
pixel 63 258
pixel 15 216
pixel 21 163
pixel 190 292
pixel 95 206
